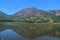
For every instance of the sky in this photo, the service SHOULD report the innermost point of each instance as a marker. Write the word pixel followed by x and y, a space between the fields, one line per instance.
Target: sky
pixel 12 6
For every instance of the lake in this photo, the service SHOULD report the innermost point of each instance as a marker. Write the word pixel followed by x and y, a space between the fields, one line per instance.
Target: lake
pixel 29 31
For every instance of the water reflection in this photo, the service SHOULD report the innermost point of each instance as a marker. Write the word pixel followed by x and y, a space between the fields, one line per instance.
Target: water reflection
pixel 9 34
pixel 16 31
pixel 47 38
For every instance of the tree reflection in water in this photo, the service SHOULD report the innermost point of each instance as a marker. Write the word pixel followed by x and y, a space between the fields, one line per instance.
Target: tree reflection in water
pixel 34 30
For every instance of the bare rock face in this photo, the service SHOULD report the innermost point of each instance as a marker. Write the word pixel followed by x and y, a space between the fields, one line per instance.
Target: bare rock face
pixel 56 12
pixel 33 12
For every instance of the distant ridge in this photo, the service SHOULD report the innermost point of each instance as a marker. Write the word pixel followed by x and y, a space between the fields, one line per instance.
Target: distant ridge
pixel 32 12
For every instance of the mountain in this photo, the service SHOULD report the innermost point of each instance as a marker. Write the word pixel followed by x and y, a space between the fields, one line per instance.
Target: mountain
pixel 33 13
pixel 57 13
pixel 3 16
pixel 30 12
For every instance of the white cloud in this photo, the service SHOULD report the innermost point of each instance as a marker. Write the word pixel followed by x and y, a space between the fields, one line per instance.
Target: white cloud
pixel 3 9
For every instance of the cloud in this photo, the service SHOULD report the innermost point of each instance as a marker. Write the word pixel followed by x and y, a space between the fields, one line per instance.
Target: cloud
pixel 2 9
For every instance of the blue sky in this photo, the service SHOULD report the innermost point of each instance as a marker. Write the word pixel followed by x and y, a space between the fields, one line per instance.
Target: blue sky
pixel 12 6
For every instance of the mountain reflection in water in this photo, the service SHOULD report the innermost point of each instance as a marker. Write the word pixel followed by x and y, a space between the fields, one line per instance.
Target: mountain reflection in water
pixel 9 34
pixel 29 32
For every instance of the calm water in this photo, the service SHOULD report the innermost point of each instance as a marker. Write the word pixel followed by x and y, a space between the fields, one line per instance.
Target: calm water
pixel 9 34
pixel 16 31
